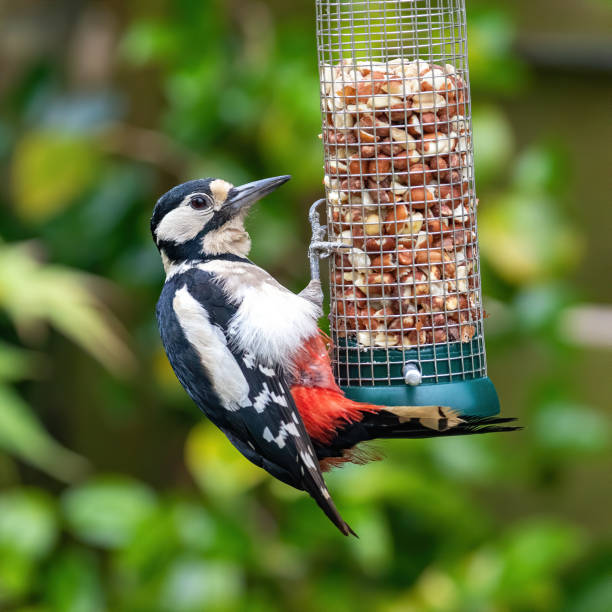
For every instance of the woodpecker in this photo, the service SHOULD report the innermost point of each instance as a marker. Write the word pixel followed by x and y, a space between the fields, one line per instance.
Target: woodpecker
pixel 249 352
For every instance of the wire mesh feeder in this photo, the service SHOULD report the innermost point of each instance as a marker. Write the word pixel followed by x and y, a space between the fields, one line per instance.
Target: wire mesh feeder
pixel 406 312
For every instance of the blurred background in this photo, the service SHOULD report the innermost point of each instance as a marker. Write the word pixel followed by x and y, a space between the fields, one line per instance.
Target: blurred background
pixel 116 495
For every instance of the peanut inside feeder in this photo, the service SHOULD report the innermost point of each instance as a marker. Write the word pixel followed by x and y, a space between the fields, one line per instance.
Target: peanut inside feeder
pixel 400 192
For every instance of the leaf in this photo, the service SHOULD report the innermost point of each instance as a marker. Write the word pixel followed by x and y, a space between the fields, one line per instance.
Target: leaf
pixel 50 169
pixel 147 41
pixel 32 293
pixel 542 169
pixel 74 584
pixel 493 142
pixel 17 363
pixel 22 435
pixel 596 597
pixel 28 523
pixel 17 574
pixel 536 549
pixel 194 584
pixel 525 240
pixel 216 465
pixel 194 526
pixel 539 308
pixel 571 429
pixel 374 549
pixel 107 511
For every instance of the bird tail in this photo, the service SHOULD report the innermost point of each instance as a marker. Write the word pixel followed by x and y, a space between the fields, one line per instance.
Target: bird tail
pixel 408 422
pixel 429 422
pixel 322 497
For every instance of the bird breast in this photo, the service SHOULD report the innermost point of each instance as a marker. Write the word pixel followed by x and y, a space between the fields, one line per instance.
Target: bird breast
pixel 271 322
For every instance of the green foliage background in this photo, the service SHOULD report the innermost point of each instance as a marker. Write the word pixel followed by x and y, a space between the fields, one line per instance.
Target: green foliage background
pixel 115 494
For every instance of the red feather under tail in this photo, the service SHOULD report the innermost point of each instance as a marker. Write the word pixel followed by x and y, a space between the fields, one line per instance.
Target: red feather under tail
pixel 319 400
pixel 325 409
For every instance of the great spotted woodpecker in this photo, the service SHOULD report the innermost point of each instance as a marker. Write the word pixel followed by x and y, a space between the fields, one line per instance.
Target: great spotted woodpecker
pixel 249 353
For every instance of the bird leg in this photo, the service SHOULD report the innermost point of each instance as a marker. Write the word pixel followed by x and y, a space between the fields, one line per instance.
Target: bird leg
pixel 319 248
pixel 313 293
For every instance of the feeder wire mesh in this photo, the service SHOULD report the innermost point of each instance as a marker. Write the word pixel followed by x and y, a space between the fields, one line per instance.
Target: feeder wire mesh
pixel 399 179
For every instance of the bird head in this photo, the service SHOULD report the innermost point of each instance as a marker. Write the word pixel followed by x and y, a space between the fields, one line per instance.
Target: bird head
pixel 205 217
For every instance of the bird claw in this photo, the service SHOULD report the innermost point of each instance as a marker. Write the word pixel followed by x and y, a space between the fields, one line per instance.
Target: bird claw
pixel 319 248
pixel 325 249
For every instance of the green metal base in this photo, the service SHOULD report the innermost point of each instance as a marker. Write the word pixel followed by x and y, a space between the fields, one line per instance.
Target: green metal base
pixel 457 367
pixel 475 397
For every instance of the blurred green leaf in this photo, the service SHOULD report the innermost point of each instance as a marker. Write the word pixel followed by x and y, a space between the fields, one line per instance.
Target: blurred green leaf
pixel 194 526
pixel 64 298
pixel 533 552
pixel 148 41
pixel 17 576
pixel 74 583
pixel 374 548
pixel 493 142
pixel 493 65
pixel 467 458
pixel 526 240
pixel 17 363
pixel 570 429
pixel 537 309
pixel 542 169
pixel 216 465
pixel 50 169
pixel 596 597
pixel 22 435
pixel 28 523
pixel 107 511
pixel 192 584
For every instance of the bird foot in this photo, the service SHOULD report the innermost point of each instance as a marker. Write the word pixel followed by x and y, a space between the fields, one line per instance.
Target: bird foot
pixel 313 293
pixel 319 248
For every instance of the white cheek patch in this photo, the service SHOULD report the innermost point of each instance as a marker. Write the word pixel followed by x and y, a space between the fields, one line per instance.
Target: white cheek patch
pixel 182 224
pixel 219 189
pixel 210 344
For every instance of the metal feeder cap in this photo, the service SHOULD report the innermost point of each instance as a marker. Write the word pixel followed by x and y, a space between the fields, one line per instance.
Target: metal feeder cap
pixel 412 374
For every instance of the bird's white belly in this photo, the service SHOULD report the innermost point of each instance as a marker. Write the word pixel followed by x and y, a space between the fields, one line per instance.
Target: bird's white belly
pixel 272 323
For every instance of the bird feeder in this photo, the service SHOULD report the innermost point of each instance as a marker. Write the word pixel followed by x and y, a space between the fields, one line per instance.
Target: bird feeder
pixel 406 304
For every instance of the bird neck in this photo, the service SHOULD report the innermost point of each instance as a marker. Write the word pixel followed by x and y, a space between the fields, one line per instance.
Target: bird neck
pixel 231 238
pixel 231 243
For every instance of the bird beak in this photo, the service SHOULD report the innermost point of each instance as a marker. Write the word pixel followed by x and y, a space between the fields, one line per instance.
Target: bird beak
pixel 243 197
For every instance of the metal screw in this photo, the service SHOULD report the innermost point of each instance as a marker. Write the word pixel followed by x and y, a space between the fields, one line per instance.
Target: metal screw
pixel 412 374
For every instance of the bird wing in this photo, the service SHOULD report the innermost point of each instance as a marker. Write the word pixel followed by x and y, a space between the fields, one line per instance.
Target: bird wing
pixel 248 400
pixel 272 435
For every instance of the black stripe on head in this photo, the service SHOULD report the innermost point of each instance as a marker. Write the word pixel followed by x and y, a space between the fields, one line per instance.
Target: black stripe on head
pixel 173 198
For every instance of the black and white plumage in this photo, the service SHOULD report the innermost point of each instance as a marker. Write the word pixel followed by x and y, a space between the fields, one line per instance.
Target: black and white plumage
pixel 227 327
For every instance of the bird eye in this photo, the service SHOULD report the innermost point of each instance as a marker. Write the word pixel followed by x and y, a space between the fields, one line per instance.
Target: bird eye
pixel 199 202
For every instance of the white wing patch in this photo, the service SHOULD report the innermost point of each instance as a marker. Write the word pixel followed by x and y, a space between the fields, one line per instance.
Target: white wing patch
pixel 284 430
pixel 249 360
pixel 211 346
pixel 307 459
pixel 265 396
pixel 267 371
